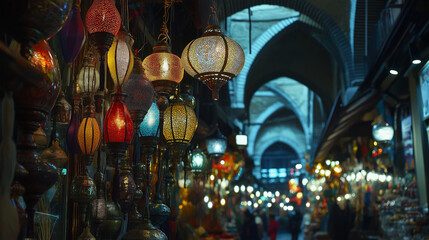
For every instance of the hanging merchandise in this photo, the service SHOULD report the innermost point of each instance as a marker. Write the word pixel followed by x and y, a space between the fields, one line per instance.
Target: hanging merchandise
pixel 72 37
pixel 213 58
pixel 164 69
pixel 120 58
pixel 102 22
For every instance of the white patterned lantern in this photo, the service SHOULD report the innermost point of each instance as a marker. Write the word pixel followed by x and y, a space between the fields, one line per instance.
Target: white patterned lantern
pixel 213 59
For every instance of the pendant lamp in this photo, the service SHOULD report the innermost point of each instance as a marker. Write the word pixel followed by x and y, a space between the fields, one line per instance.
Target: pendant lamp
pixel 88 78
pixel 102 22
pixel 72 37
pixel 216 145
pixel 162 68
pixel 120 58
pixel 89 135
pixel 213 59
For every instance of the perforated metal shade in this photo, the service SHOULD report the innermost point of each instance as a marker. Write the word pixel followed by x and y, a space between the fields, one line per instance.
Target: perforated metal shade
pixel 120 58
pixel 180 122
pixel 150 123
pixel 213 59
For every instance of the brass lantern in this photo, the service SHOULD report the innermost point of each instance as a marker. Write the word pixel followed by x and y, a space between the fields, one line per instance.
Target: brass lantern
pixel 180 122
pixel 163 69
pixel 213 59
pixel 120 58
pixel 89 78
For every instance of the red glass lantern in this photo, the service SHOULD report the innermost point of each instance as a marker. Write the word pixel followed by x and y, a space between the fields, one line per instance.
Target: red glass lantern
pixel 118 126
pixel 103 22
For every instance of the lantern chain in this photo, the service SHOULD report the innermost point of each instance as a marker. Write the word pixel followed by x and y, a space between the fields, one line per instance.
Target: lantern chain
pixel 163 36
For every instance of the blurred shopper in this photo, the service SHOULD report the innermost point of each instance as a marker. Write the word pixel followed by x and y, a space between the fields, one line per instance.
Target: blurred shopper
pixel 249 229
pixel 295 224
pixel 273 227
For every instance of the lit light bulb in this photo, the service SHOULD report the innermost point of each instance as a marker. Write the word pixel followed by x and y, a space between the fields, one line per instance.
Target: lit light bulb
pixel 277 193
pixel 212 177
pixel 222 202
pixel 210 205
pixel 206 198
pixel 236 189
pixel 307 204
pixel 269 205
pixel 317 197
pixel 273 200
pixel 258 193
pixel 287 200
pixel 305 181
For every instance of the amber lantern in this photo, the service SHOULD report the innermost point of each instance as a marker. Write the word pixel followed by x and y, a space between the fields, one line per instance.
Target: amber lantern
pixel 89 135
pixel 120 58
pixel 163 69
pixel 180 123
pixel 213 59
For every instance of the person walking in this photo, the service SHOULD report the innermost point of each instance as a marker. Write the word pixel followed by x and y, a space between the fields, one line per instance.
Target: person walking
pixel 249 229
pixel 273 227
pixel 295 224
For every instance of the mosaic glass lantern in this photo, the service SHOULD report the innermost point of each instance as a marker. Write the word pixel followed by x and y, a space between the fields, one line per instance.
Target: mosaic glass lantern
pixel 213 59
pixel 150 123
pixel 102 22
pixel 120 58
pixel 118 127
pixel 163 69
pixel 89 135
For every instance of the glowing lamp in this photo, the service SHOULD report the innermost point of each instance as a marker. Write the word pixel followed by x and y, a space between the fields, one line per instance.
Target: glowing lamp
pixel 241 140
pixel 382 132
pixel 199 162
pixel 180 122
pixel 120 58
pixel 163 69
pixel 213 59
pixel 88 78
pixel 118 127
pixel 102 22
pixel 150 123
pixel 89 135
pixel 216 145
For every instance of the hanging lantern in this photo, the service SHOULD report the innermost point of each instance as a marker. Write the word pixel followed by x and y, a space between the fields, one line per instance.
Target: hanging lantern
pixel 89 135
pixel 382 132
pixel 150 123
pixel 120 58
pixel 180 122
pixel 102 22
pixel 163 69
pixel 213 59
pixel 88 78
pixel 216 145
pixel 118 127
pixel 72 36
pixel 139 93
pixel 200 165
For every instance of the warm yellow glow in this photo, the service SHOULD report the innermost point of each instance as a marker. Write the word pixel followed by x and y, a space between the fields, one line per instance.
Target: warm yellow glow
pixel 120 123
pixel 337 169
pixel 328 173
pixel 375 143
pixel 317 197
pixel 307 204
pixel 318 166
pixel 260 201
pixel 120 58
pixel 89 135
pixel 212 177
pixel 299 195
pixel 252 196
pixel 222 202
pixel 180 122
pixel 163 65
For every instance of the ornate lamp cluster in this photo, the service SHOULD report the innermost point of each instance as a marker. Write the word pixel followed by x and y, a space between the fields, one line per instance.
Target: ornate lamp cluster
pixel 146 109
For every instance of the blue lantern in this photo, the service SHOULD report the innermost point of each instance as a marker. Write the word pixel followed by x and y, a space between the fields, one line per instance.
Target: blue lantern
pixel 149 126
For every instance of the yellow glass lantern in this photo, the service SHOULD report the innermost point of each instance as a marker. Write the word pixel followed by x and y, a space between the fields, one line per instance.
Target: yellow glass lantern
pixel 213 59
pixel 89 135
pixel 180 122
pixel 120 58
pixel 163 69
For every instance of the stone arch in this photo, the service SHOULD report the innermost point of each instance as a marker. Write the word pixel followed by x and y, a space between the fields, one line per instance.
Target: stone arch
pixel 283 139
pixel 240 81
pixel 329 26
